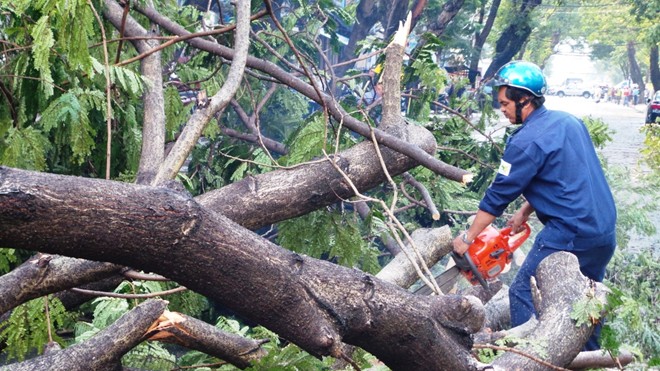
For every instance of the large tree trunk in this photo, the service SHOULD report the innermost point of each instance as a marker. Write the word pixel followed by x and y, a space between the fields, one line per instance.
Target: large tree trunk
pixel 635 71
pixel 513 37
pixel 316 304
pixel 654 68
pixel 480 38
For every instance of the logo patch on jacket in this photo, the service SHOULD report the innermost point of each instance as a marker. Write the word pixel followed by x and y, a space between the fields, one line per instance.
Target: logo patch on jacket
pixel 505 168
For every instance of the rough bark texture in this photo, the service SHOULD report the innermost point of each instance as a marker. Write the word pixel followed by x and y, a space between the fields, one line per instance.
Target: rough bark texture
pixel 313 303
pixel 192 333
pixel 45 274
pixel 433 244
pixel 556 338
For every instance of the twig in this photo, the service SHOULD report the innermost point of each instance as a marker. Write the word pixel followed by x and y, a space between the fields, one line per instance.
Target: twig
pixel 108 100
pixel 129 296
pixel 514 350
pixel 183 38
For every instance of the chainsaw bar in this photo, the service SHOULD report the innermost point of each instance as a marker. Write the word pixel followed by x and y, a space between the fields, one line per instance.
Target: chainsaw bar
pixel 445 281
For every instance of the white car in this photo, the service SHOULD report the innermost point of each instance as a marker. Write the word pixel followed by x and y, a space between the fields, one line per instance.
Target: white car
pixel 572 90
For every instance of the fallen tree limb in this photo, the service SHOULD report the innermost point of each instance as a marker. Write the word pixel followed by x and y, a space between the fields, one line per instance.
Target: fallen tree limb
pixel 433 243
pixel 555 338
pixel 600 359
pixel 177 328
pixel 315 304
pixel 45 274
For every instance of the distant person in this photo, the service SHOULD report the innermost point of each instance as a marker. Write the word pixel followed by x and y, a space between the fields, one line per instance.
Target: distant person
pixel 635 94
pixel 551 161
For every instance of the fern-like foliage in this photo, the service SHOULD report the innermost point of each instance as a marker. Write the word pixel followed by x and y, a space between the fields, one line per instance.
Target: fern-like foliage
pixel 69 115
pixel 26 330
pixel 25 148
pixel 600 132
pixel 43 42
pixel 308 141
pixel 129 81
pixel 632 316
pixel 76 31
pixel 331 235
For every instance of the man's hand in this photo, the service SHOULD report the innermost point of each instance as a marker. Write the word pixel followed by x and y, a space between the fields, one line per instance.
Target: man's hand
pixel 520 217
pixel 460 247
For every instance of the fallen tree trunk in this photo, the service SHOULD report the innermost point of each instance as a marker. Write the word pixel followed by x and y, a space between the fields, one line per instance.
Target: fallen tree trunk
pixel 555 338
pixel 316 304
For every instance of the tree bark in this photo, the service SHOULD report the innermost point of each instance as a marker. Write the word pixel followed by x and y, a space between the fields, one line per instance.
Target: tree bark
pixel 480 38
pixel 433 244
pixel 45 274
pixel 654 67
pixel 176 328
pixel 315 304
pixel 449 11
pixel 555 339
pixel 513 37
pixel 635 71
pixel 600 359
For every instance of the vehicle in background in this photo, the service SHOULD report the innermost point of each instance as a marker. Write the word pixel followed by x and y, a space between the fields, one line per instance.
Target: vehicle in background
pixel 572 87
pixel 653 108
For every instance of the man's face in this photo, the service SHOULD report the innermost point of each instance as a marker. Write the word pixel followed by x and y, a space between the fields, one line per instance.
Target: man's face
pixel 507 106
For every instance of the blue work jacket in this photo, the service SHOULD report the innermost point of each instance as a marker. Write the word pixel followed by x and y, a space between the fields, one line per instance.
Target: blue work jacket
pixel 552 162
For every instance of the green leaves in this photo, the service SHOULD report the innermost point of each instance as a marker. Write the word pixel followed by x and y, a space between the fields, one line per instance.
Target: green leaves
pixel 129 81
pixel 333 235
pixel 600 132
pixel 69 114
pixel 27 327
pixel 587 311
pixel 25 148
pixel 7 258
pixel 43 42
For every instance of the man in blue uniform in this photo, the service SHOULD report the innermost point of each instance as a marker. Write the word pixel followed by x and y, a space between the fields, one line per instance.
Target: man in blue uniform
pixel 550 160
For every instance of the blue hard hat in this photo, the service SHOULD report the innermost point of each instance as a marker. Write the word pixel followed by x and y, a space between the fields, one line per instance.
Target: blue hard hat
pixel 523 75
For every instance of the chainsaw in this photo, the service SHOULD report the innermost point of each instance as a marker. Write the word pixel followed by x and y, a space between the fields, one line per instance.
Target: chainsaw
pixel 484 260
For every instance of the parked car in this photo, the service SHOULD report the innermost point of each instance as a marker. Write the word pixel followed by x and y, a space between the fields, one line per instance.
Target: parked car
pixel 573 90
pixel 653 108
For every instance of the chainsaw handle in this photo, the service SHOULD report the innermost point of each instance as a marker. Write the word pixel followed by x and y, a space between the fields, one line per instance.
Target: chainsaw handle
pixel 506 234
pixel 464 262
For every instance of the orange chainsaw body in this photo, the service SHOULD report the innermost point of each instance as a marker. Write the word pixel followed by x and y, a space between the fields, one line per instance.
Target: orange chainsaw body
pixel 492 250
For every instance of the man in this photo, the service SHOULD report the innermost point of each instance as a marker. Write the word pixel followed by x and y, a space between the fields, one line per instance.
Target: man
pixel 551 161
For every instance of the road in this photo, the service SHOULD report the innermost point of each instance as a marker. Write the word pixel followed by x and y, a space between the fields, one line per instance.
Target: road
pixel 623 151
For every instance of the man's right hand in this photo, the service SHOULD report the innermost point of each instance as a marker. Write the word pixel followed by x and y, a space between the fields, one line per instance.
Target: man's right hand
pixel 520 217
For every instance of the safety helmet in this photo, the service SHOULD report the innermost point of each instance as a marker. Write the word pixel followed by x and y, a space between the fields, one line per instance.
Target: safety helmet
pixel 523 75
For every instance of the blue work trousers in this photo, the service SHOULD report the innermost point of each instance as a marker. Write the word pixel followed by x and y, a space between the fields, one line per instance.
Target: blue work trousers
pixel 592 264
